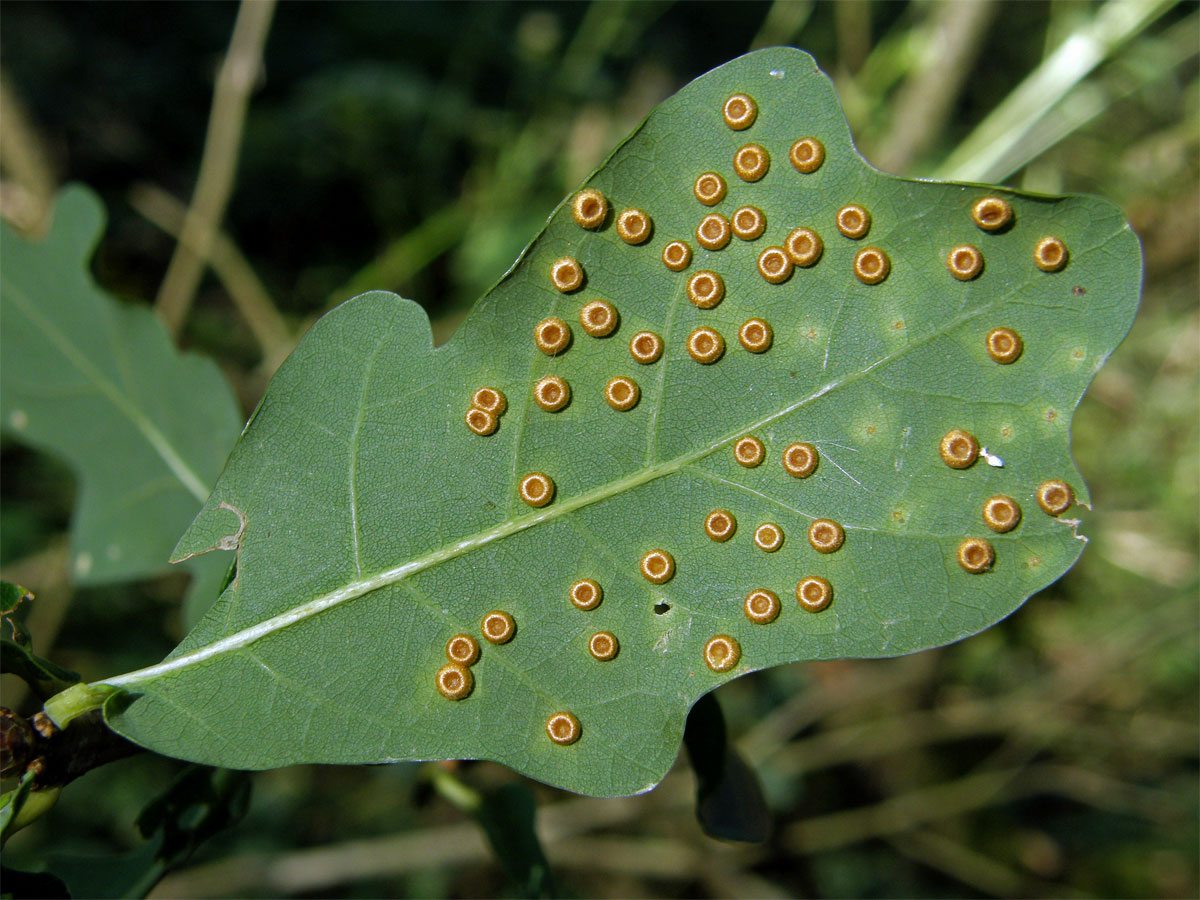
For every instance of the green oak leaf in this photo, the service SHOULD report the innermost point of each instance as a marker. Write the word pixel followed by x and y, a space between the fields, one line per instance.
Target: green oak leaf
pixel 98 384
pixel 373 525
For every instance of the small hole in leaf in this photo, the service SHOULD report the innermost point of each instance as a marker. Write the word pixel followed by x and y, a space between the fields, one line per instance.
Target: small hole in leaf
pixel 661 608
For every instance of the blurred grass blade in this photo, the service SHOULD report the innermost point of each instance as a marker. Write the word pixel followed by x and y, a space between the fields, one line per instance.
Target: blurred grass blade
pixel 983 155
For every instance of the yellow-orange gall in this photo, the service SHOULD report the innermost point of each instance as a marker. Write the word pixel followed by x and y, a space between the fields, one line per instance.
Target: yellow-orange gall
pixel 806 155
pixel 748 223
pixel 826 535
pixel 768 537
pixel 552 335
pixel 586 594
pixel 991 213
pixel 814 593
pixel 804 247
pixel 1050 254
pixel 645 347
pixel 589 209
pixel 634 226
pixel 598 318
pixel 551 393
pixel 959 449
pixel 1001 513
pixel 756 336
pixel 749 452
pixel 722 653
pixel 964 262
pixel 491 400
pixel 455 681
pixel 658 566
pixel 775 265
pixel 710 189
pixel 677 256
pixel 800 460
pixel 498 627
pixel 762 607
pixel 481 421
pixel 462 649
pixel 976 555
pixel 537 489
pixel 720 525
pixel 566 274
pixel 751 162
pixel 604 646
pixel 705 345
pixel 1004 345
pixel 1055 497
pixel 622 393
pixel 871 265
pixel 853 221
pixel 563 728
pixel 740 111
pixel 713 232
pixel 705 289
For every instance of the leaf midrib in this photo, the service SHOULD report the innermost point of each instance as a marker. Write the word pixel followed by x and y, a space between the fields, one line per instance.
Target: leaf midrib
pixel 354 589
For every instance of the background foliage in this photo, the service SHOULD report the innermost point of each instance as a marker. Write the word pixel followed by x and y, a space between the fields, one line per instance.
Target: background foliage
pixel 417 147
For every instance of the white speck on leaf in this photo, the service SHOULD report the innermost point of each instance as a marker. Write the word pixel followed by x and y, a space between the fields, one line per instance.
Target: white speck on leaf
pixel 83 564
pixel 18 420
pixel 991 458
pixel 777 73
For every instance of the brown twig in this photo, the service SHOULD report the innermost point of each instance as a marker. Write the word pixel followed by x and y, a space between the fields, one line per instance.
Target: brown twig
pixel 218 165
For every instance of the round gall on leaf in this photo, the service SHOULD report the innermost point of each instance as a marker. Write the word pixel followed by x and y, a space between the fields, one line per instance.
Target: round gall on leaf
pixel 762 607
pixel 775 265
pixel 551 393
pixel 566 274
pixel 645 347
pixel 1004 345
pixel 1055 497
pixel 598 318
pixel 552 336
pixel 622 393
pixel 1001 513
pixel 800 460
pixel 720 525
pixel 710 189
pixel 722 653
pixel 462 649
pixel 749 452
pixel 705 346
pixel 634 226
pixel 677 256
pixel 537 489
pixel 481 422
pixel 992 213
pixel 768 537
pixel 1050 254
pixel 563 728
pixel 713 232
pixel 959 449
pixel 499 627
pixel 751 162
pixel 705 289
pixel 804 247
pixel 814 593
pixel 964 262
pixel 826 535
pixel 658 566
pixel 853 221
pixel 748 223
pixel 491 400
pixel 604 646
pixel 807 155
pixel 976 555
pixel 586 594
pixel 756 336
pixel 740 111
pixel 871 265
pixel 454 681
pixel 589 209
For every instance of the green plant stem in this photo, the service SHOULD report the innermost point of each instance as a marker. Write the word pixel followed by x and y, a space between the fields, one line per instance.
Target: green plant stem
pixel 218 165
pixel 245 289
pixel 980 157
